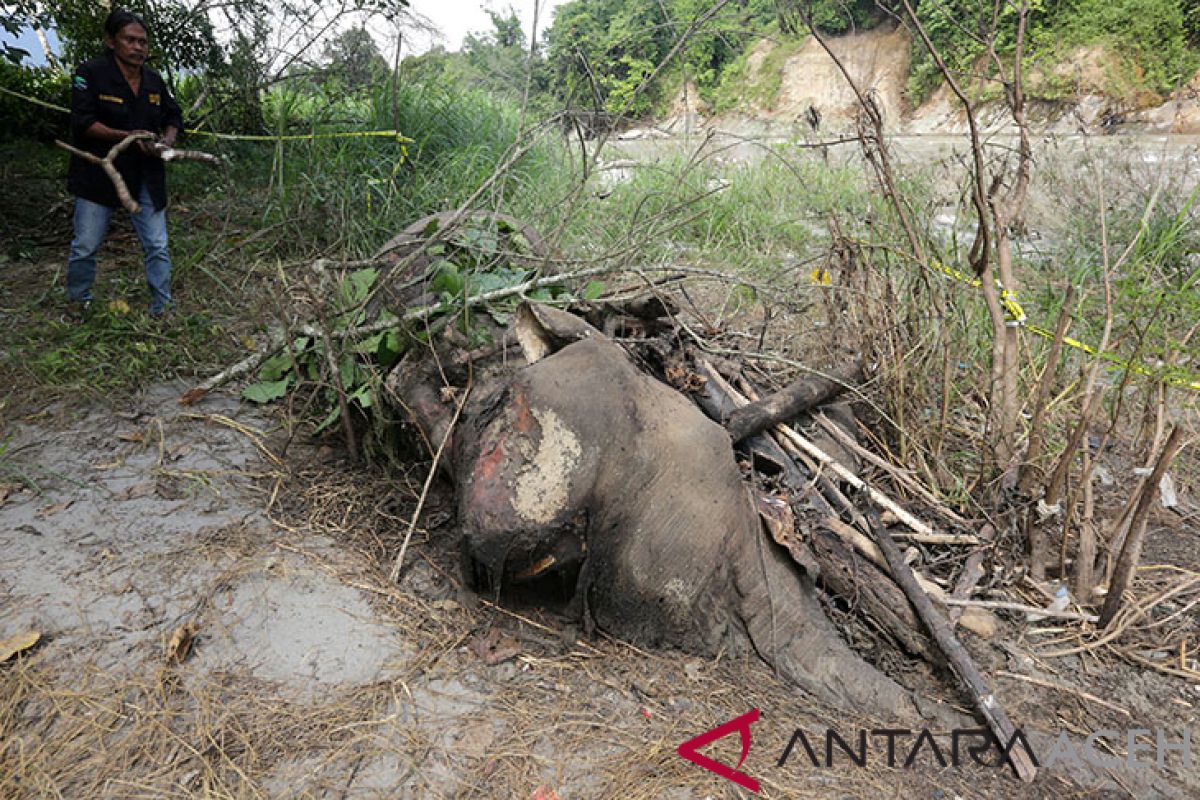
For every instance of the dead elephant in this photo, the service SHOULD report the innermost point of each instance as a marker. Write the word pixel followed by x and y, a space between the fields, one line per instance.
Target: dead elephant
pixel 581 468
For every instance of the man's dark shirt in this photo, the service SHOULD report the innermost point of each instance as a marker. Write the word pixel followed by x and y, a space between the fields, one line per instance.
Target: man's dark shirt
pixel 100 93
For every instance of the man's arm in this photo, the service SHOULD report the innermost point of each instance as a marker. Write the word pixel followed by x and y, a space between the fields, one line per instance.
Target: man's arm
pixel 84 116
pixel 172 120
pixel 98 130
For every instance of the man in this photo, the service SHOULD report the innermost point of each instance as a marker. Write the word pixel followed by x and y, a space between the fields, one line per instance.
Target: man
pixel 112 97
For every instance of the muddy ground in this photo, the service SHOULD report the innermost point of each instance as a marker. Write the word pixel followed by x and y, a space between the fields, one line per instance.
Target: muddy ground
pixel 311 675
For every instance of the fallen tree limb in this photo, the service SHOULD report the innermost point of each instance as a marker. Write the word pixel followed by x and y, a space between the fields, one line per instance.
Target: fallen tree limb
pixel 805 393
pixel 107 163
pixel 956 654
pixel 721 396
pixel 278 338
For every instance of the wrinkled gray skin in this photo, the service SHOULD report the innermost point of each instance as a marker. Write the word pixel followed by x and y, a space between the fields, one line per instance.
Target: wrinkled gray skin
pixel 581 463
pixel 583 458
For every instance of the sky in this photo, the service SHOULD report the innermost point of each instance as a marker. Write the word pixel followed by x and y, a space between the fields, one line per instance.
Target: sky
pixel 454 18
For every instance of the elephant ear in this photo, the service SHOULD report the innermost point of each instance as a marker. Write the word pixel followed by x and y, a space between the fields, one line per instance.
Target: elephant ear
pixel 542 330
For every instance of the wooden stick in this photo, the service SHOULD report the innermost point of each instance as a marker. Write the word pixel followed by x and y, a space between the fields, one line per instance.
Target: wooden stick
pixel 956 654
pixel 394 575
pixel 922 531
pixel 1131 553
pixel 110 169
pixel 898 473
pixel 106 164
pixel 1091 698
pixel 1003 604
pixel 805 393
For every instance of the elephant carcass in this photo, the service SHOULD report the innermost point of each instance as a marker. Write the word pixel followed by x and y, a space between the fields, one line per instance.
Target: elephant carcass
pixel 581 465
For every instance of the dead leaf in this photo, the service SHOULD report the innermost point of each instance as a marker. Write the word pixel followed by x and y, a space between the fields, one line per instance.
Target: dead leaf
pixel 4 493
pixel 15 644
pixel 544 793
pixel 192 396
pixel 132 436
pixel 179 646
pixel 777 515
pixel 48 511
pixel 495 647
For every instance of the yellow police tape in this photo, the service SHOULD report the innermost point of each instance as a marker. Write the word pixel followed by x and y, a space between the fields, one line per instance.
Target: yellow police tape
pixel 246 137
pixel 1017 318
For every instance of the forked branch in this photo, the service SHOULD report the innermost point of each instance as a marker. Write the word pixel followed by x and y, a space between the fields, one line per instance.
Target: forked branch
pixel 107 163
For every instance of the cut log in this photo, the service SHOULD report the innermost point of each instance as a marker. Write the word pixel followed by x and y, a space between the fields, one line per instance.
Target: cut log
pixel 808 392
pixel 856 580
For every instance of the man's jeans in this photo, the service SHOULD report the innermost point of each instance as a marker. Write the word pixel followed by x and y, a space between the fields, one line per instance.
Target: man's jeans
pixel 91 224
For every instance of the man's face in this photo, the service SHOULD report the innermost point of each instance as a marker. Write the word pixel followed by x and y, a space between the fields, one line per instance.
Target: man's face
pixel 130 45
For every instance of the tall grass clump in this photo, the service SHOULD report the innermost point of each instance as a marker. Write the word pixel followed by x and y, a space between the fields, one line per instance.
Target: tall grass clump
pixel 760 216
pixel 348 192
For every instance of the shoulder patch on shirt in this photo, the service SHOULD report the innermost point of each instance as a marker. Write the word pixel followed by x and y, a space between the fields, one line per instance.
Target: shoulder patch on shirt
pixel 111 98
pixel 80 83
pixel 155 98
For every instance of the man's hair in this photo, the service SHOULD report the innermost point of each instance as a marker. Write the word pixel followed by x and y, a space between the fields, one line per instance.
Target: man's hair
pixel 118 18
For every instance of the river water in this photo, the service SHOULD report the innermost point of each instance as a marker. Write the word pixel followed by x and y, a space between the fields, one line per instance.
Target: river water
pixel 1070 171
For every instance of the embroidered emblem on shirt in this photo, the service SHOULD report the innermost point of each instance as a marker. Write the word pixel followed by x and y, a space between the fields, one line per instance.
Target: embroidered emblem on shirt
pixel 80 82
pixel 110 98
pixel 155 98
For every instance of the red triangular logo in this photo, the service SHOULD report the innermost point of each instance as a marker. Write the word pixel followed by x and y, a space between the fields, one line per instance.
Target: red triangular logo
pixel 742 725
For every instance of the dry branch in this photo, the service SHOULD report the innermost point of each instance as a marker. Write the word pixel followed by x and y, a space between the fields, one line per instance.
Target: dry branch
pixel 807 392
pixel 899 474
pixel 279 338
pixel 1007 606
pixel 956 654
pixel 110 169
pixel 107 165
pixel 1131 553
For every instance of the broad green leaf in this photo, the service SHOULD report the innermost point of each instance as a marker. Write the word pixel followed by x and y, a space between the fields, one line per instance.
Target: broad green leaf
pixel 369 345
pixel 275 367
pixel 593 290
pixel 447 278
pixel 357 285
pixel 365 396
pixel 265 391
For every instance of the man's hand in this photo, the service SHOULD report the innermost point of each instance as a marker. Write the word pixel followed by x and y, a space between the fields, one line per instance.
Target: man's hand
pixel 146 145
